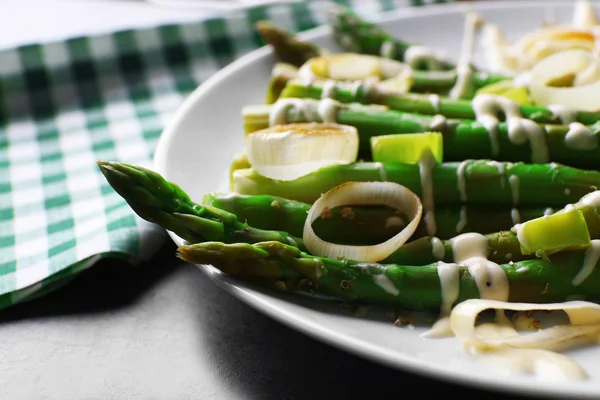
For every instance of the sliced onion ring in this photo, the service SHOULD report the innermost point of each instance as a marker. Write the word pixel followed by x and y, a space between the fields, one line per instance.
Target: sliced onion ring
pixel 287 152
pixel 584 317
pixel 384 73
pixel 584 97
pixel 363 193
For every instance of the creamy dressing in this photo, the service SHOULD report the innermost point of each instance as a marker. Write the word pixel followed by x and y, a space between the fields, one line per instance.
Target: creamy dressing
pixel 426 164
pixel 382 172
pixel 591 199
pixel 231 196
pixel 329 88
pixel 513 180
pixel 438 123
pixel 386 284
pixel 355 87
pixel 434 100
pixel 464 72
pixel 278 114
pixel 487 107
pixel 449 275
pixel 592 255
pixel 564 114
pixel 415 55
pixel 462 184
pixel 521 130
pixel 515 216
pixel 327 110
pixel 470 250
pixel 548 211
pixel 437 248
pixel 387 49
pixel 501 167
pixel 309 109
pixel 580 137
pixel 463 220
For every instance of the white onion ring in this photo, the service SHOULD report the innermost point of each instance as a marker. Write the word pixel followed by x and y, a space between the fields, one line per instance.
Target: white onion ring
pixel 378 73
pixel 584 97
pixel 363 193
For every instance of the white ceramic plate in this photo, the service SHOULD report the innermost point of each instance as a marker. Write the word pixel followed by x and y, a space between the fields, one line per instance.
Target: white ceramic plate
pixel 195 151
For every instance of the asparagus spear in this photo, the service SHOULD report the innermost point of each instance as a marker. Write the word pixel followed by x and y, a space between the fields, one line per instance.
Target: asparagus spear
pixel 420 103
pixel 290 50
pixel 362 225
pixel 408 287
pixel 485 182
pixel 463 139
pixel 166 204
pixel 287 47
pixel 360 36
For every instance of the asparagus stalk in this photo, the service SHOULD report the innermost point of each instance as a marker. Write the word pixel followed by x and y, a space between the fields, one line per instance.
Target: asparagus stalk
pixel 463 139
pixel 166 204
pixel 294 52
pixel 287 47
pixel 357 35
pixel 485 182
pixel 420 103
pixel 360 225
pixel 407 287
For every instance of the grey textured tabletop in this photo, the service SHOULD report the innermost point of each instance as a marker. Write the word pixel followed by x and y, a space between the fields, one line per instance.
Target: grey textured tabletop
pixel 163 330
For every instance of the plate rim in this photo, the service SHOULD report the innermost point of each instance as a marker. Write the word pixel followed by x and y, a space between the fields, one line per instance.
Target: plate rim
pixel 361 348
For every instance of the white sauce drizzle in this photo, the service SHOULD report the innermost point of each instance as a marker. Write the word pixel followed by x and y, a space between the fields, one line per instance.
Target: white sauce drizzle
pixel 356 85
pixel 437 248
pixel 501 167
pixel 592 255
pixel 591 199
pixel 382 173
pixel 520 130
pixel 513 180
pixel 434 100
pixel 548 211
pixel 416 55
pixel 386 284
pixel 564 114
pixel 231 196
pixel 462 184
pixel 462 222
pixel 327 110
pixel 464 72
pixel 329 88
pixel 470 250
pixel 450 288
pixel 580 137
pixel 426 164
pixel 438 123
pixel 515 216
pixel 387 49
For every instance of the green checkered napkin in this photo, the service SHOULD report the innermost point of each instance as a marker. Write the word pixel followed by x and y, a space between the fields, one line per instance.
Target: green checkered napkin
pixel 65 105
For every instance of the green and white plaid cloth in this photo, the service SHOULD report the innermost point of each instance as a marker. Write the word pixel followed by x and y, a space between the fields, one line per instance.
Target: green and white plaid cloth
pixel 65 105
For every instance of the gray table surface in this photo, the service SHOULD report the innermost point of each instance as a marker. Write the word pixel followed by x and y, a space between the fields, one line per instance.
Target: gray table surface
pixel 163 330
